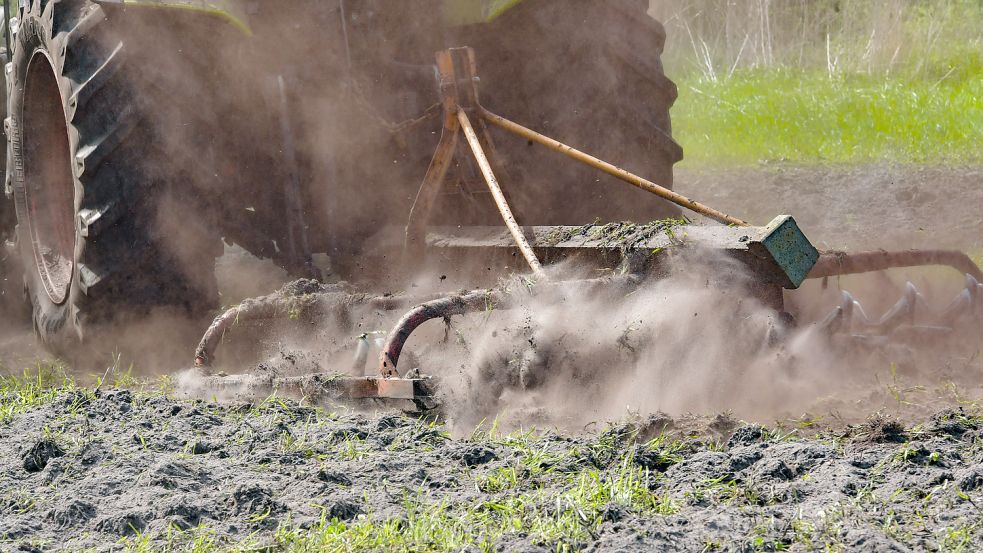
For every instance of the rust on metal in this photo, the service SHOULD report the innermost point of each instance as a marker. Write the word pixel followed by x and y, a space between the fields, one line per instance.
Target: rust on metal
pixel 842 263
pixel 457 304
pixel 250 310
pixel 316 387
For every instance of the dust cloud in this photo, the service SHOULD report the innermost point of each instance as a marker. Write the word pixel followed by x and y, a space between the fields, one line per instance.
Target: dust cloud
pixel 681 344
pixel 697 341
pixel 251 140
pixel 221 162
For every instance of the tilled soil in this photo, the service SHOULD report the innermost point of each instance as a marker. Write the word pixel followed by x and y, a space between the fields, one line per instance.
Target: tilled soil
pixel 116 469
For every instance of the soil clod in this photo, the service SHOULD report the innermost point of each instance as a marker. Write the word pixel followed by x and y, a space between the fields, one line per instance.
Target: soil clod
pixel 36 458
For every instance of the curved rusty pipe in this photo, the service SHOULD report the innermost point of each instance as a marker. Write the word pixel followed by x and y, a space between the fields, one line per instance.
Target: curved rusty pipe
pixel 267 307
pixel 277 306
pixel 469 302
pixel 842 263
pixel 436 309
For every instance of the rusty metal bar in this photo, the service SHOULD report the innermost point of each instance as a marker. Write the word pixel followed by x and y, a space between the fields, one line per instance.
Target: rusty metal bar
pixel 477 300
pixel 266 307
pixel 445 307
pixel 276 306
pixel 318 387
pixel 610 169
pixel 416 228
pixel 500 201
pixel 842 263
pixel 419 217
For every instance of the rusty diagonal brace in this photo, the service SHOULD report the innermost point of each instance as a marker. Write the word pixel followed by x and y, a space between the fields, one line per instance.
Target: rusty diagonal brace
pixel 610 169
pixel 500 201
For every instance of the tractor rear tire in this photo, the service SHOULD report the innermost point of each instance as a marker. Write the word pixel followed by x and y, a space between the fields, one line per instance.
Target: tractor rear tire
pixel 86 184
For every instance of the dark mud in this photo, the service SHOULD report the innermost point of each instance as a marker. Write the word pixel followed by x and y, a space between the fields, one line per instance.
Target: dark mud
pixel 108 470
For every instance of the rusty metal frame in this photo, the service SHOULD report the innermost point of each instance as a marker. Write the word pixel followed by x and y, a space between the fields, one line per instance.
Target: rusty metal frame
pixel 456 70
pixel 316 387
pixel 426 197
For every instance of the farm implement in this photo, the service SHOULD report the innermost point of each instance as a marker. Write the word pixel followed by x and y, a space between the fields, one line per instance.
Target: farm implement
pixel 761 262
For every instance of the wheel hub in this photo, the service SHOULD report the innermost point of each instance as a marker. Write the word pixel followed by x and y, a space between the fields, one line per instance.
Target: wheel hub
pixel 49 183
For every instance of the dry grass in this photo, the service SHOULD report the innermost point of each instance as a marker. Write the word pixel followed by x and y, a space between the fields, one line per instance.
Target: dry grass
pixel 719 37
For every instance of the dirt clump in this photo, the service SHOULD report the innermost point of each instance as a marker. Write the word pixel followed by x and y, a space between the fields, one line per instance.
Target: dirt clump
pixel 38 455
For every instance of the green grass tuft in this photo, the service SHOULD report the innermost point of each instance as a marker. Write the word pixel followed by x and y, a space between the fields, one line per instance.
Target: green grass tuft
pixel 33 387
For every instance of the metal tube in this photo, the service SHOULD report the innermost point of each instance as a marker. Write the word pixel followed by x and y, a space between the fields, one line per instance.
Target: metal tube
pixel 610 169
pixel 250 310
pixel 316 387
pixel 842 263
pixel 436 309
pixel 503 206
pixel 477 300
pixel 276 306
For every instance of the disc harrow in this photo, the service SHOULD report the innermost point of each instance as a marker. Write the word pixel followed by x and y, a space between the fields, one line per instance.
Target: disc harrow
pixel 910 314
pixel 777 256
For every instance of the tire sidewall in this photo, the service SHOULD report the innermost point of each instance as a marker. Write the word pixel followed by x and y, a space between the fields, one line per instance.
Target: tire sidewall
pixel 55 324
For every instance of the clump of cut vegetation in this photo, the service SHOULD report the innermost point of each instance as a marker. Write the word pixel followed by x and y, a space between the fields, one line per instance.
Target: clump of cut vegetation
pixel 624 236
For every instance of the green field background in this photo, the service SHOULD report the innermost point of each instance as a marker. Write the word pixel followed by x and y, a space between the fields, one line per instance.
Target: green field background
pixel 822 81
